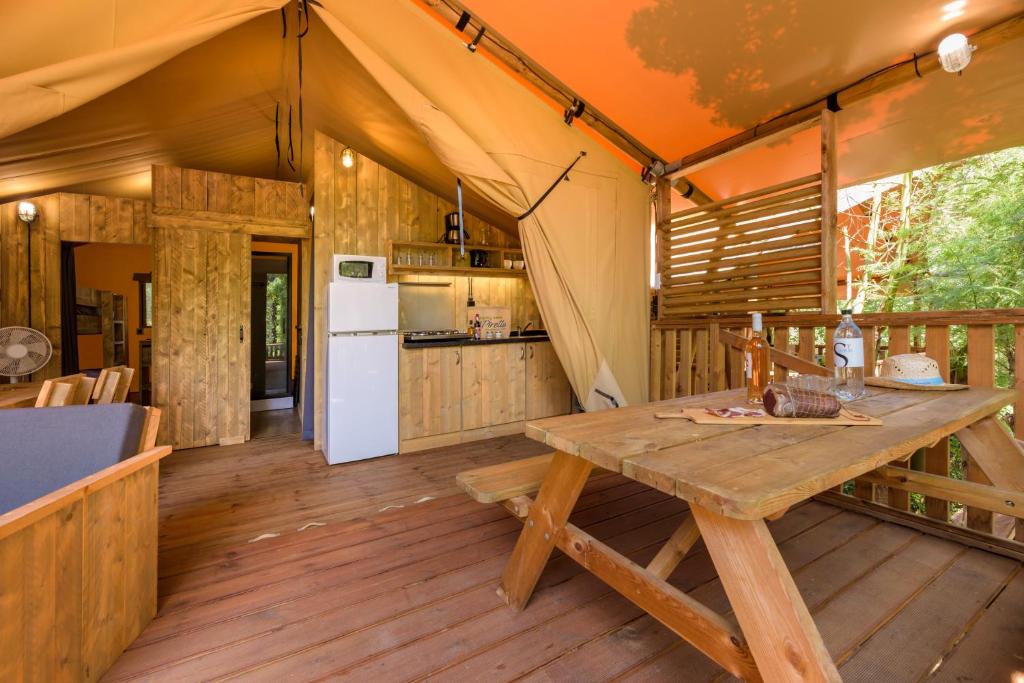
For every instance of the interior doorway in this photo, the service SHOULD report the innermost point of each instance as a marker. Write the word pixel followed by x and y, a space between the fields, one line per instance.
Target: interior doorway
pixel 275 339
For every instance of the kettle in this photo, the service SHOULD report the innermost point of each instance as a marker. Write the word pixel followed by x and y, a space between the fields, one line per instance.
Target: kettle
pixel 451 229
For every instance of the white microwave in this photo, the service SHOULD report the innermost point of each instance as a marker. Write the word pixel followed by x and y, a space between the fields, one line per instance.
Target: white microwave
pixel 353 268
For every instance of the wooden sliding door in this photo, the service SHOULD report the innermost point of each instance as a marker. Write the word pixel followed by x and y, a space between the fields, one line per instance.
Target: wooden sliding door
pixel 201 300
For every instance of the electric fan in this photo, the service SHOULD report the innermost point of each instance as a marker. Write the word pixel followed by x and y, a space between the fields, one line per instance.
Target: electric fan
pixel 23 351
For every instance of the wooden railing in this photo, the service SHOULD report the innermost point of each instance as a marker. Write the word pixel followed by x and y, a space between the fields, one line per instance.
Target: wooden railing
pixel 698 355
pixel 276 351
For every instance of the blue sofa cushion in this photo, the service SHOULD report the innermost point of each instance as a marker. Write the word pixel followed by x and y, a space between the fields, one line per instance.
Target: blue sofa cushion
pixel 44 449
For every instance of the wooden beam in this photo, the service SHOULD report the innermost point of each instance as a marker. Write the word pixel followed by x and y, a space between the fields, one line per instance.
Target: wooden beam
pixel 547 517
pixel 803 117
pixel 778 356
pixel 979 316
pixel 708 631
pixel 675 549
pixel 765 599
pixel 927 525
pixel 829 196
pixel 981 496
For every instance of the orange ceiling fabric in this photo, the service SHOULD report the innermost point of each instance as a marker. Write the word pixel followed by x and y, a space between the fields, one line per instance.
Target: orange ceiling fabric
pixel 681 75
pixel 93 92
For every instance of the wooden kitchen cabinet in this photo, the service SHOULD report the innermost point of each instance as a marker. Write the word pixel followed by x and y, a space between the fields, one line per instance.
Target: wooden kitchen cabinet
pixel 547 387
pixel 493 385
pixel 430 386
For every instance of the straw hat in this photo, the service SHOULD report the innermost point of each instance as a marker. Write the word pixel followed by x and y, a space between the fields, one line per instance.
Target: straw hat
pixel 911 370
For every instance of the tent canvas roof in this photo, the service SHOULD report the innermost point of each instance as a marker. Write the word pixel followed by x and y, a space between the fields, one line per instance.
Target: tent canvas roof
pixel 676 75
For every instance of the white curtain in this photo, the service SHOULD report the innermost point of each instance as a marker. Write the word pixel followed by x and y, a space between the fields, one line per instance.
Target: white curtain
pixel 586 245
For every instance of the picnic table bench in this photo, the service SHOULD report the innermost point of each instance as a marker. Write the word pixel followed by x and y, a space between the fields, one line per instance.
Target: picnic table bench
pixel 733 477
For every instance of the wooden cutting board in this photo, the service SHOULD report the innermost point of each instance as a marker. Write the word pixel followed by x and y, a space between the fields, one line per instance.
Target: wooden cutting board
pixel 701 416
pixel 887 383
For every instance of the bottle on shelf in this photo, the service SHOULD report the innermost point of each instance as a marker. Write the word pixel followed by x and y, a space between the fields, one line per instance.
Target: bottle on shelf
pixel 477 327
pixel 757 362
pixel 848 358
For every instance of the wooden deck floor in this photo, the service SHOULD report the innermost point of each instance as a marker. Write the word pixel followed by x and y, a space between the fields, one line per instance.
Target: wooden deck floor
pixel 408 593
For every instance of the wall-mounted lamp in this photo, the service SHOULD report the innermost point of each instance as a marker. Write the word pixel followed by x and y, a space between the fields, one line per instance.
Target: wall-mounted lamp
pixel 348 157
pixel 27 212
pixel 955 52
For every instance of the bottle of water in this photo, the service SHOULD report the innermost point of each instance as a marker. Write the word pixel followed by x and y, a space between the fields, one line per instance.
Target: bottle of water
pixel 848 357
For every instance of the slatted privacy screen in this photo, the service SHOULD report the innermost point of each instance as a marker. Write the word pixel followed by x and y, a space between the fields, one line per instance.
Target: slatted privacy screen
pixel 759 251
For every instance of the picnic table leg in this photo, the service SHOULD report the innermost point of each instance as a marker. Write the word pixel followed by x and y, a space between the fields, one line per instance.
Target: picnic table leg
pixel 779 630
pixel 998 455
pixel 675 549
pixel 555 501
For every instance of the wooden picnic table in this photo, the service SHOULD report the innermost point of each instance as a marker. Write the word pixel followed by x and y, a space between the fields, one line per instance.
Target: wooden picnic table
pixel 734 477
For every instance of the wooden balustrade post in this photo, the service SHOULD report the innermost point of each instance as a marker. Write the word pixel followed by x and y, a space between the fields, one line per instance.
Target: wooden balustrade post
pixel 701 374
pixel 684 375
pixel 936 458
pixel 654 391
pixel 980 373
pixel 829 189
pixel 668 364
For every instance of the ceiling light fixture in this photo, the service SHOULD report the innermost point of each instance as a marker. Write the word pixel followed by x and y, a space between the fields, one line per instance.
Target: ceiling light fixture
pixel 27 212
pixel 955 52
pixel 348 157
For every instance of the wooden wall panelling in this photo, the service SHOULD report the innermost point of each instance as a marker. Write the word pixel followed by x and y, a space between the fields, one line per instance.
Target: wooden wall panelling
pixel 190 198
pixel 784 273
pixel 200 361
pixel 62 217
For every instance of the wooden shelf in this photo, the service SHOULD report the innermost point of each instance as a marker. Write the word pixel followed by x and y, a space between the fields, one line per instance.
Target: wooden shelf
pixel 448 263
pixel 455 270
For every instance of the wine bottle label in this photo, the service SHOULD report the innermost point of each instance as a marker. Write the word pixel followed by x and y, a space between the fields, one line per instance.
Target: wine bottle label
pixel 748 364
pixel 848 353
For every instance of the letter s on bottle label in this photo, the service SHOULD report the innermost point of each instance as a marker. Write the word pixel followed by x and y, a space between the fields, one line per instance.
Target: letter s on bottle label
pixel 848 353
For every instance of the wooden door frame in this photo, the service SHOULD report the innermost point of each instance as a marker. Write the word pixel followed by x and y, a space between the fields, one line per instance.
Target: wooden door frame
pixel 290 269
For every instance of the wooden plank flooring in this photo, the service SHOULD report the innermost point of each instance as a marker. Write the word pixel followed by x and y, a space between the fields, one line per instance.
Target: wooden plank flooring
pixel 408 593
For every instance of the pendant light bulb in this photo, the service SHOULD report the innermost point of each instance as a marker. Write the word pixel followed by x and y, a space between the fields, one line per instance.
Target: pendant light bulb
pixel 955 52
pixel 348 157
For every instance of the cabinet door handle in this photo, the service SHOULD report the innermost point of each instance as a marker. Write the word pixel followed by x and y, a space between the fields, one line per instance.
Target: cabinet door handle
pixel 241 333
pixel 458 356
pixel 531 353
pixel 522 353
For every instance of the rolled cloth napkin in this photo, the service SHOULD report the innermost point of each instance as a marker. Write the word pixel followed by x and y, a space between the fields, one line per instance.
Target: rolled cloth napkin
pixel 781 400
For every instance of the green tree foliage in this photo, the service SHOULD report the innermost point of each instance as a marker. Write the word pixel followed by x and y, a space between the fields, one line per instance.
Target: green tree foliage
pixel 952 238
pixel 277 308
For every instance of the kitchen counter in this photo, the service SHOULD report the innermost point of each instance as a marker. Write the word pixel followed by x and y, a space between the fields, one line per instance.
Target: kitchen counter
pixel 434 343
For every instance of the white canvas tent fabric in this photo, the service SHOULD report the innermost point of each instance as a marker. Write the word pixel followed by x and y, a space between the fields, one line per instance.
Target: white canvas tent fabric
pixel 585 245
pixel 92 48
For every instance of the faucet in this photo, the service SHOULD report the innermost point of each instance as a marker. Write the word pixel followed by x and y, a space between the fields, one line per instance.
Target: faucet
pixel 523 328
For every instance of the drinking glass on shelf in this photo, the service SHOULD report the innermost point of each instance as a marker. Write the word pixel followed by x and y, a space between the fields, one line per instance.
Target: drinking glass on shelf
pixel 433 259
pixel 420 256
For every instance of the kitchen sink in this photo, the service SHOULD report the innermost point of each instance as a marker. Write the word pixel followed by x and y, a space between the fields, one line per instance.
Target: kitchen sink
pixel 528 333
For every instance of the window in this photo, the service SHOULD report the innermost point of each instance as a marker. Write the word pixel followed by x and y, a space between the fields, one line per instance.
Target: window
pixel 145 281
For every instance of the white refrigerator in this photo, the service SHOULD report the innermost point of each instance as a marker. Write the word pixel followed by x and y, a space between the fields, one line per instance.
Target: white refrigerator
pixel 362 371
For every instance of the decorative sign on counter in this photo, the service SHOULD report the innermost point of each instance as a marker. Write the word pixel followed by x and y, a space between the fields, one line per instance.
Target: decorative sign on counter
pixel 493 319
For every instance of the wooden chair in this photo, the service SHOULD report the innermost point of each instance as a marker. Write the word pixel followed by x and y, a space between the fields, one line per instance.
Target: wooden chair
pixel 113 384
pixel 65 391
